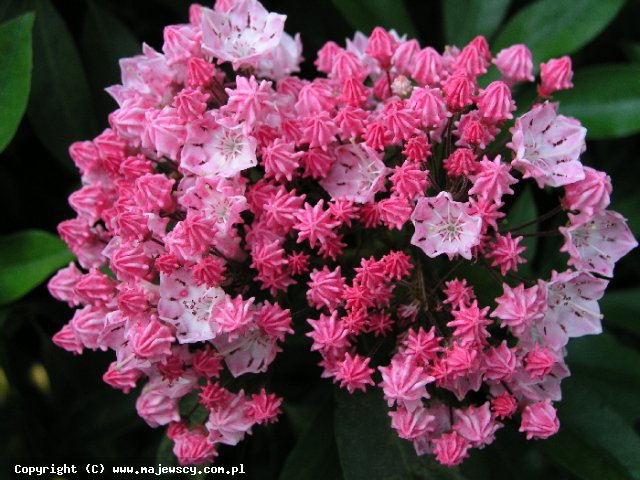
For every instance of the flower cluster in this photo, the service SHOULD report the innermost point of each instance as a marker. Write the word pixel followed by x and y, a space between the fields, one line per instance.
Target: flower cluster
pixel 227 190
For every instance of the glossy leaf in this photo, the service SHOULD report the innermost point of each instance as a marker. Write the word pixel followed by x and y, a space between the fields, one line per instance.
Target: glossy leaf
pixel 571 451
pixel 15 74
pixel 552 28
pixel 105 41
pixel 606 99
pixel 464 19
pixel 369 448
pixel 585 413
pixel 60 107
pixel 26 260
pixel 315 456
pixel 364 15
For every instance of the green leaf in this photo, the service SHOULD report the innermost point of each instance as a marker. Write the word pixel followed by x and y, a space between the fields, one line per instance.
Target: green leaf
pixel 606 99
pixel 585 414
pixel 370 449
pixel 552 28
pixel 364 15
pixel 15 74
pixel 620 309
pixel 571 451
pixel 164 454
pixel 523 211
pixel 464 19
pixel 315 456
pixel 105 40
pixel 60 107
pixel 26 259
pixel 604 353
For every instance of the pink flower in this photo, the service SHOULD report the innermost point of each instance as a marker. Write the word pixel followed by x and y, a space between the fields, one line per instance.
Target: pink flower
pixel 573 310
pixel 458 91
pixel 409 180
pixel 495 102
pixel 325 288
pixel 150 339
pixel 450 449
pixel 412 424
pixel 421 346
pixel 539 420
pixel 229 422
pixel 188 306
pixel 505 253
pixel 504 406
pixel 395 211
pixel 458 293
pixel 500 362
pixel 429 104
pixel 315 224
pixel 403 382
pixel 264 408
pixel 233 316
pixel 193 448
pixel 587 196
pixel 381 46
pixel 520 306
pixel 476 424
pixel 357 175
pixel 515 64
pixel 444 226
pixel 164 132
pixel 427 67
pixel 555 75
pixel 242 34
pixel 492 179
pixel 539 361
pixel 461 162
pixel 548 146
pixel 328 333
pixel 597 244
pixel 212 149
pixel 354 373
pixel 470 324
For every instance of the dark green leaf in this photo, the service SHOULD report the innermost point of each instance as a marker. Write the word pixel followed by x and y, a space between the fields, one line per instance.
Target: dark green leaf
pixel 370 449
pixel 315 456
pixel 464 19
pixel 571 451
pixel 15 74
pixel 585 414
pixel 620 309
pixel 364 15
pixel 105 41
pixel 606 99
pixel 164 454
pixel 605 352
pixel 552 28
pixel 60 107
pixel 26 259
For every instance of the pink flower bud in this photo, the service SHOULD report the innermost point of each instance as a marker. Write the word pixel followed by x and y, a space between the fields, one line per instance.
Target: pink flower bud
pixel 539 420
pixel 495 102
pixel 555 75
pixel 381 46
pixel 515 64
